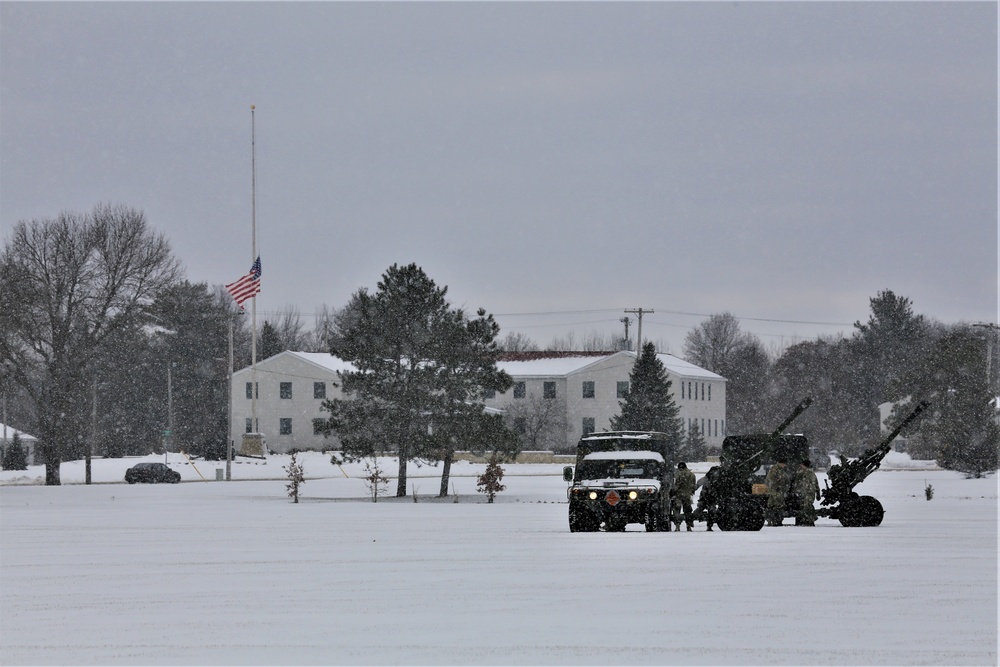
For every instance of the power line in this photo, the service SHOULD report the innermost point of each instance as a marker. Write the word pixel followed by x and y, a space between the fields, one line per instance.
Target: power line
pixel 616 311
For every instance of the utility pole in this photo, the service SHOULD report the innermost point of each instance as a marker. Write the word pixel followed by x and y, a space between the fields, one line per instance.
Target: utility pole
pixel 639 313
pixel 168 440
pixel 989 351
pixel 229 421
pixel 628 341
pixel 93 430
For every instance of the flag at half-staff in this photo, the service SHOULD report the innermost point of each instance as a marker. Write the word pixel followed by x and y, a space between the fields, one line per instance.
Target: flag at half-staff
pixel 247 286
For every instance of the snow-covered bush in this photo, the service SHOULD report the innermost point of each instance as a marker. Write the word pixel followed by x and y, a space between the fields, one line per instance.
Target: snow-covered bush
pixel 489 481
pixel 296 478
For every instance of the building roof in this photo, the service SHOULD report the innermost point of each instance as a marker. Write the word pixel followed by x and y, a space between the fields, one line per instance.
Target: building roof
pixel 554 364
pixel 24 437
pixel 528 364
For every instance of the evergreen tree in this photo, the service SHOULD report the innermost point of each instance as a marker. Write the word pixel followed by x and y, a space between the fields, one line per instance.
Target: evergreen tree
pixel 840 417
pixel 270 342
pixel 649 405
pixel 887 346
pixel 695 448
pixel 961 429
pixel 420 370
pixel 15 456
pixel 296 478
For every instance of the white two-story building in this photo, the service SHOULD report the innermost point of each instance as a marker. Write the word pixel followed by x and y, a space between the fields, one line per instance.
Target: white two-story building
pixel 586 389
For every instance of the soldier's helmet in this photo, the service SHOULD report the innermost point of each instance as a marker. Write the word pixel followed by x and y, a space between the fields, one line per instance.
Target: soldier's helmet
pixel 682 465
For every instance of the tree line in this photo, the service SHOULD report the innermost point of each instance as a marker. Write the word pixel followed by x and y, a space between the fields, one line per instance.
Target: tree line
pixel 896 357
pixel 104 343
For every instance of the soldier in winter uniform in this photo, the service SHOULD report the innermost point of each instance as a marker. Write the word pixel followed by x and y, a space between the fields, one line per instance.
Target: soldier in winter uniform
pixel 806 489
pixel 778 485
pixel 708 500
pixel 684 485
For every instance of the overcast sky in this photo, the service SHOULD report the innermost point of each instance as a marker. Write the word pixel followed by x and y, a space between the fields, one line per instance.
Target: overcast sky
pixel 554 163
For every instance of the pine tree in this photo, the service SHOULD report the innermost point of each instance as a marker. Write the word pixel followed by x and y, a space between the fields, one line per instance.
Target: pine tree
pixel 649 405
pixel 421 368
pixel 296 478
pixel 961 429
pixel 15 457
pixel 270 341
pixel 695 448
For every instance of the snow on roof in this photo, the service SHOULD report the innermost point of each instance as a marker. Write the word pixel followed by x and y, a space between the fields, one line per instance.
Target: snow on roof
pixel 552 364
pixel 621 435
pixel 678 366
pixel 324 359
pixel 598 456
pixel 547 366
pixel 10 430
pixel 557 364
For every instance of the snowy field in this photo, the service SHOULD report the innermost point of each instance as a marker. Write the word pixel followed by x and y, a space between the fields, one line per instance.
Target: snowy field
pixel 234 573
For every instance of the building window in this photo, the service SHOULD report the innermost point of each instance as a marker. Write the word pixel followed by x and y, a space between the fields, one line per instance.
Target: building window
pixel 588 389
pixel 249 426
pixel 520 425
pixel 518 390
pixel 709 392
pixel 489 393
pixel 682 390
pixel 588 425
pixel 318 424
pixel 549 390
pixel 286 390
pixel 250 387
pixel 319 390
pixel 703 391
pixel 285 426
pixel 622 389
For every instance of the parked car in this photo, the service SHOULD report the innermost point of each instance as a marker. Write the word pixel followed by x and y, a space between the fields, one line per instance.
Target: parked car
pixel 152 473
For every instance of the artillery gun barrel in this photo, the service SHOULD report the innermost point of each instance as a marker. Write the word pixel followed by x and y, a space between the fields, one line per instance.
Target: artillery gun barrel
pixel 886 444
pixel 799 409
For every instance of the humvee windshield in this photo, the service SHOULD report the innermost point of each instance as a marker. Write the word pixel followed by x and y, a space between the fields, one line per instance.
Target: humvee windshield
pixel 620 469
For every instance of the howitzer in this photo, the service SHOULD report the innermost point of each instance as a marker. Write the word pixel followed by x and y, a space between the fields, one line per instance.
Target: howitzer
pixel 732 481
pixel 839 499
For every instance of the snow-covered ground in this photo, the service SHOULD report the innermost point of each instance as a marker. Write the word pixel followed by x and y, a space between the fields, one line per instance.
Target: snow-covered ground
pixel 234 573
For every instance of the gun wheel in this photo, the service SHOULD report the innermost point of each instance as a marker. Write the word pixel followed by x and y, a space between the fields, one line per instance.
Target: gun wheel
pixel 861 512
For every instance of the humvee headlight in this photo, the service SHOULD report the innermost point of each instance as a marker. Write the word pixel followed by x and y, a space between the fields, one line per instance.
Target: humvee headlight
pixel 593 495
pixel 632 495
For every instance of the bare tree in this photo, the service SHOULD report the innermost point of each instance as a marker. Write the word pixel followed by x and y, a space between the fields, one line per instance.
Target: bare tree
pixel 712 344
pixel 68 285
pixel 517 342
pixel 288 323
pixel 540 423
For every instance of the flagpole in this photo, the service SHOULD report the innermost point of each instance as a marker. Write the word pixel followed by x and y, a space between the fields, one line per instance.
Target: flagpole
pixel 253 258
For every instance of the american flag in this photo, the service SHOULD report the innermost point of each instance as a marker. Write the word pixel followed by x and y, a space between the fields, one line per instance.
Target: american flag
pixel 247 286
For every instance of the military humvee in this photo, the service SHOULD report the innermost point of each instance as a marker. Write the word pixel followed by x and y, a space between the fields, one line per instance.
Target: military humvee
pixel 621 477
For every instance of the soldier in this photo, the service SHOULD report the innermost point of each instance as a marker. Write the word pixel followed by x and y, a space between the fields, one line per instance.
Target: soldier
pixel 707 500
pixel 778 484
pixel 806 490
pixel 684 485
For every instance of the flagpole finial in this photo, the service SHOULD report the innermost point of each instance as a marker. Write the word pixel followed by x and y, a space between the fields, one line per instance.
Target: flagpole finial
pixel 252 107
